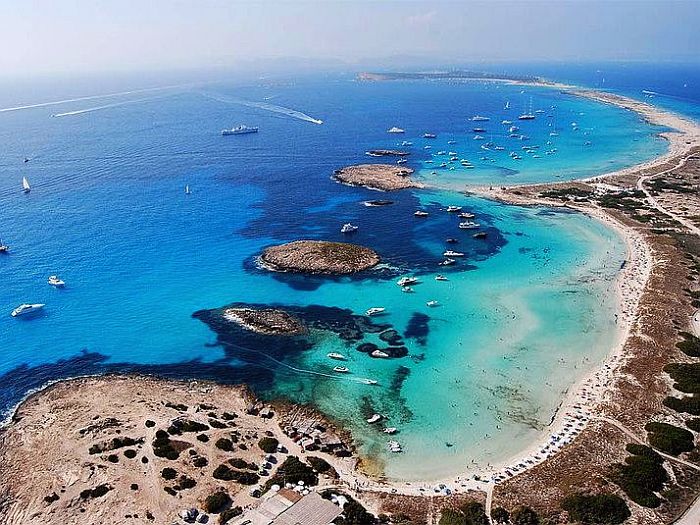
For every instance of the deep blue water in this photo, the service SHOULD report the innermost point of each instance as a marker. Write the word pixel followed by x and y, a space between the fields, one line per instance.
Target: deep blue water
pixel 108 213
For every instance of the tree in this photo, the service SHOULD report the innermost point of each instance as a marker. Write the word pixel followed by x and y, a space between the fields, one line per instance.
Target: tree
pixel 500 515
pixel 524 516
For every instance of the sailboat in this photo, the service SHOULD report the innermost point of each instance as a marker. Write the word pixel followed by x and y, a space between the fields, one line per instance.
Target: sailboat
pixel 528 115
pixel 507 106
pixel 25 185
pixel 187 190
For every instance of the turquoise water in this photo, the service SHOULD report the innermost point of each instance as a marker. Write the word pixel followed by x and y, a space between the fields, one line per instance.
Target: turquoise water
pixel 522 315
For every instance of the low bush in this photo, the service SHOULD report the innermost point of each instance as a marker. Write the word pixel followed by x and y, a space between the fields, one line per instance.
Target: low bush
pixel 600 508
pixel 318 464
pixel 185 482
pixel 685 375
pixel 242 464
pixel 693 424
pixel 229 514
pixel 224 444
pixel 500 515
pixel 224 473
pixel 217 502
pixel 669 439
pixel 168 473
pixel 686 404
pixel 690 344
pixel 130 453
pixel 268 444
pixel 97 492
pixel 641 475
pixel 292 471
pixel 524 516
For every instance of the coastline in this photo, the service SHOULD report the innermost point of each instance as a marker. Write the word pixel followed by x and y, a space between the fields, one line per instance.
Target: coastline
pixel 590 391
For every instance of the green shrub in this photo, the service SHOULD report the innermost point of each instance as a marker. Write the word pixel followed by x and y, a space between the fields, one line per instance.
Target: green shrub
pixel 293 471
pixel 670 439
pixel 168 473
pixel 217 502
pixel 229 514
pixel 203 438
pixel 242 464
pixel 223 472
pixel 690 344
pixel 268 445
pixel 150 423
pixel 318 464
pixel 130 453
pixel 355 514
pixel 524 516
pixel 500 515
pixel 451 517
pixel 685 375
pixel 693 424
pixel 600 508
pixel 224 444
pixel 185 482
pixel 640 476
pixel 685 404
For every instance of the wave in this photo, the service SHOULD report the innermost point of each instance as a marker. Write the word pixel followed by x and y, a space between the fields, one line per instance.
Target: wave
pixel 106 106
pixel 90 97
pixel 263 105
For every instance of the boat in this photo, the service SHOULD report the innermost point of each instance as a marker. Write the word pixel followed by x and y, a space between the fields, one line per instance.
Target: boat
pixel 432 303
pixel 239 130
pixel 447 262
pixel 25 309
pixel 452 142
pixel 452 253
pixel 479 118
pixel 369 381
pixel 341 369
pixel 407 289
pixel 349 228
pixel 374 418
pixel 478 137
pixel 390 430
pixel 378 203
pixel 420 213
pixel 406 143
pixel 480 235
pixel 54 280
pixel 440 277
pixel 405 281
pixel 528 115
pixel 468 225
pixel 25 185
pixel 401 161
pixel 507 106
pixel 451 240
pixel 394 446
pixel 379 353
pixel 506 122
pixel 429 136
pixel 4 248
pixel 452 209
pixel 513 129
pixel 478 130
pixel 336 355
pixel 466 215
pixel 395 130
pixel 187 190
pixel 374 311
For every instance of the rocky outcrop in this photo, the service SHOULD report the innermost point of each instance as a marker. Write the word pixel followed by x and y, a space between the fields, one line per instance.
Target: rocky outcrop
pixel 319 257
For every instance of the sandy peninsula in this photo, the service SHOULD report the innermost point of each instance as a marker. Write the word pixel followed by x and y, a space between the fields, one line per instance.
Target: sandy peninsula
pixel 383 177
pixel 319 257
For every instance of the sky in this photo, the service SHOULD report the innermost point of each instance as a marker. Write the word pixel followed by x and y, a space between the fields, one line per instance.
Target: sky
pixel 82 36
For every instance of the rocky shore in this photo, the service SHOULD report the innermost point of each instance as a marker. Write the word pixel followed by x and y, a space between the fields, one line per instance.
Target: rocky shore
pixel 383 177
pixel 319 257
pixel 267 321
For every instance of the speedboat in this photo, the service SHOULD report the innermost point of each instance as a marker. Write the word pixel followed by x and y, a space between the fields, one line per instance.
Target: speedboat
pixel 239 130
pixel 468 225
pixel 526 116
pixel 341 369
pixel 407 289
pixel 440 278
pixel 394 446
pixel 432 303
pixel 390 430
pixel 374 311
pixel 480 235
pixel 54 280
pixel 452 142
pixel 452 253
pixel 336 355
pixel 25 309
pixel 506 122
pixel 374 418
pixel 420 213
pixel 379 353
pixel 447 262
pixel 454 208
pixel 479 118
pixel 466 215
pixel 429 136
pixel 4 248
pixel 479 130
pixel 377 203
pixel 349 228
pixel 407 143
pixel 401 161
pixel 395 130
pixel 451 240
pixel 369 381
pixel 405 281
pixel 478 137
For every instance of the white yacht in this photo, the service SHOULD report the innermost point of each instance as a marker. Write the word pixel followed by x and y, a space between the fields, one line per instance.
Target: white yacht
pixel 468 225
pixel 239 130
pixel 55 280
pixel 25 309
pixel 421 213
pixel 406 289
pixel 379 353
pixel 349 228
pixel 341 369
pixel 447 262
pixel 406 281
pixel 479 118
pixel 369 381
pixel 390 430
pixel 440 277
pixel 453 209
pixel 336 355
pixel 374 311
pixel 26 188
pixel 452 253
pixel 4 248
pixel 466 215
pixel 478 137
pixel 429 136
pixel 432 303
pixel 374 418
pixel 506 122
pixel 395 130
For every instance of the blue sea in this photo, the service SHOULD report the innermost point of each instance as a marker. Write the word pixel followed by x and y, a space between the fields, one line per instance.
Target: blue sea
pixel 148 268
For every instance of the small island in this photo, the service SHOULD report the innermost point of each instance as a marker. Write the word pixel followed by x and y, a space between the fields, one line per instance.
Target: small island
pixel 266 321
pixel 319 257
pixel 383 177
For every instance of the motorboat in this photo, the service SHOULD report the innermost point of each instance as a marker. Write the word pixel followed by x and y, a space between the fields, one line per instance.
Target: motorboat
pixel 451 240
pixel 369 381
pixel 478 137
pixel 374 311
pixel 405 281
pixel 378 202
pixel 466 215
pixel 341 369
pixel 452 142
pixel 395 130
pixel 479 118
pixel 4 248
pixel 349 228
pixel 468 225
pixel 336 355
pixel 407 143
pixel 447 262
pixel 452 253
pixel 239 130
pixel 440 278
pixel 394 446
pixel 452 209
pixel 390 430
pixel 56 281
pixel 429 136
pixel 407 289
pixel 374 418
pixel 479 130
pixel 432 303
pixel 420 213
pixel 506 122
pixel 26 309
pixel 379 353
pixel 480 235
pixel 401 161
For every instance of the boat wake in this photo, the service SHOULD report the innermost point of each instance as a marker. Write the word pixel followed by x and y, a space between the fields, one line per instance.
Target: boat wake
pixel 106 106
pixel 263 105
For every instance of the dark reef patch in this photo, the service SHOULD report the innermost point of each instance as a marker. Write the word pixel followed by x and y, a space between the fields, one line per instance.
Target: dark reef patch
pixel 418 328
